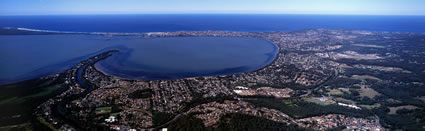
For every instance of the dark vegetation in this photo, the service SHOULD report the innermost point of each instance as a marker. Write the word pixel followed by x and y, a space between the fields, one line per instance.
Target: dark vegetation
pixel 231 122
pixel 17 101
pixel 404 120
pixel 188 123
pixel 302 109
pixel 395 85
pixel 342 82
pixel 402 51
pixel 139 94
pixel 241 122
pixel 160 118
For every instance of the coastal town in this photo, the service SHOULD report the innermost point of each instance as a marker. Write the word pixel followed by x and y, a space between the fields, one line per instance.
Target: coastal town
pixel 315 82
pixel 212 65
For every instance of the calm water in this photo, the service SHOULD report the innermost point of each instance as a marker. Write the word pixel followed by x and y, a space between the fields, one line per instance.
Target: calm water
pixel 32 56
pixel 179 57
pixel 27 57
pixel 162 23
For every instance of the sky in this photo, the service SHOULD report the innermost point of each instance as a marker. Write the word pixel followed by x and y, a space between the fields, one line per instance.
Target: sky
pixel 340 7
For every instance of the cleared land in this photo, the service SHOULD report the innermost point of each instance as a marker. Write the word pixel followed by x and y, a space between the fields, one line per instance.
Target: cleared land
pixel 364 77
pixel 368 92
pixel 367 45
pixel 393 110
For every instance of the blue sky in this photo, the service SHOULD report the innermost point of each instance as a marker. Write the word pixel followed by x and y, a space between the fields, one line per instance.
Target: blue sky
pixel 349 7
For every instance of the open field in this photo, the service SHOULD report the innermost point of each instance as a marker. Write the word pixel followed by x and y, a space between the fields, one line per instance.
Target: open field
pixel 393 110
pixel 370 107
pixel 367 45
pixel 319 100
pixel 364 77
pixel 356 56
pixel 368 92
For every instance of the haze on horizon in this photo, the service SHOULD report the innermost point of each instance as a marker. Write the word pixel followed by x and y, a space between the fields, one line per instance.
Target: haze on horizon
pixel 340 7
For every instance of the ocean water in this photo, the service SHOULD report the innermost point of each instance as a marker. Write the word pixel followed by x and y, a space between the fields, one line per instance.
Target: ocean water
pixel 30 56
pixel 198 22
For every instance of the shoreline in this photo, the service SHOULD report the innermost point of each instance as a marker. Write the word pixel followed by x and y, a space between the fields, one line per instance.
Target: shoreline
pixel 147 34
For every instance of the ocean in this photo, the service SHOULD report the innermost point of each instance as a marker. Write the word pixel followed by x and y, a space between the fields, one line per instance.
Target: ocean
pixel 218 22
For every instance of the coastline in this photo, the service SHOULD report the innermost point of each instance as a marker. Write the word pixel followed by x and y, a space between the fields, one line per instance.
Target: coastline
pixel 307 64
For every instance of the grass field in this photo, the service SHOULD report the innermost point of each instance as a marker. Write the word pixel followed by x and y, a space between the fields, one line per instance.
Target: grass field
pixel 393 110
pixel 368 92
pixel 103 110
pixel 335 92
pixel 364 77
pixel 20 127
pixel 318 100
pixel 370 107
pixel 339 99
pixel 367 45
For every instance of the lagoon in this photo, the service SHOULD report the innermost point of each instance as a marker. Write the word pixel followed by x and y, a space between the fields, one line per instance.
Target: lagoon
pixel 25 57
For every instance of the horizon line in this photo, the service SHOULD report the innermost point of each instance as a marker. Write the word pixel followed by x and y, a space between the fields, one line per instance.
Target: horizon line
pixel 329 14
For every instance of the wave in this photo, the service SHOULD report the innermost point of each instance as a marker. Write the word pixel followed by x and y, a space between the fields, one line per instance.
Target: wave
pixel 47 31
pixel 74 32
pixel 41 31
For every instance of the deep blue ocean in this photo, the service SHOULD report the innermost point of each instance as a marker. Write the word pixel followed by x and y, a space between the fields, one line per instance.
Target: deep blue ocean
pixel 198 22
